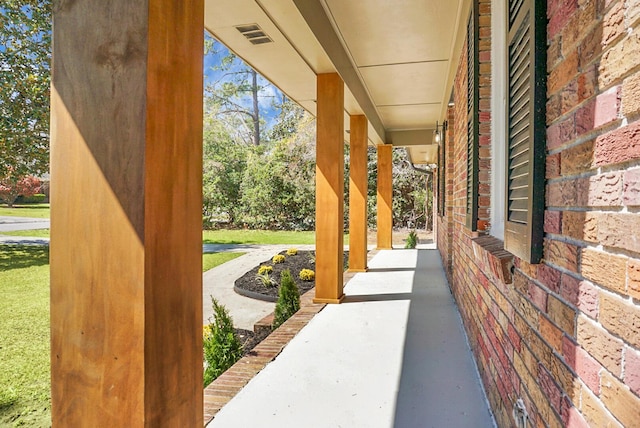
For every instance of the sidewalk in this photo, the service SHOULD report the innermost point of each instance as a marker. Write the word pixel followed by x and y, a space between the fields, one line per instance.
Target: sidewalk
pixel 394 354
pixel 9 224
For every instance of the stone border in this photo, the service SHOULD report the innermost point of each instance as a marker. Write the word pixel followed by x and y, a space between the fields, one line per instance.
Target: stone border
pixel 255 295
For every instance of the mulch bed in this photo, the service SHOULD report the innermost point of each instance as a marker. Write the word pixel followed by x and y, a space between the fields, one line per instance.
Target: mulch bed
pixel 249 339
pixel 248 285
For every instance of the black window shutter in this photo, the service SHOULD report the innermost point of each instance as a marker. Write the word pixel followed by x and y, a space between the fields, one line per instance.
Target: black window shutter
pixel 473 96
pixel 442 171
pixel 526 129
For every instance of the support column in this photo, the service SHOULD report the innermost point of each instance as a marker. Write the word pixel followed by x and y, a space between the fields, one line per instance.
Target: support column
pixel 126 220
pixel 329 189
pixel 358 194
pixel 385 196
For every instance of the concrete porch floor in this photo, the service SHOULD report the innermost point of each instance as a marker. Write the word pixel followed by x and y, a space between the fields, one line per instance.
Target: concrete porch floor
pixel 393 355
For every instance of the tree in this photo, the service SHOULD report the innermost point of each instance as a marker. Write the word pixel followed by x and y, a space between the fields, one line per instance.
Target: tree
pixel 25 35
pixel 237 91
pixel 224 163
pixel 278 188
pixel 11 188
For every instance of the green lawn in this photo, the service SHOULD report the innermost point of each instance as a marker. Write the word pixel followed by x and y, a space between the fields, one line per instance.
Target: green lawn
pixel 30 210
pixel 243 236
pixel 211 260
pixel 32 233
pixel 24 329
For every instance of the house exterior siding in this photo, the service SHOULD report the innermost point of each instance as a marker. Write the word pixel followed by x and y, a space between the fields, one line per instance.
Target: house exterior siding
pixel 562 335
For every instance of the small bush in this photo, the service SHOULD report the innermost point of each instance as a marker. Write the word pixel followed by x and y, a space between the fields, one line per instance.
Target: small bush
pixel 312 258
pixel 265 269
pixel 222 348
pixel 278 258
pixel 266 279
pixel 412 240
pixel 307 275
pixel 288 299
pixel 38 198
pixel 292 251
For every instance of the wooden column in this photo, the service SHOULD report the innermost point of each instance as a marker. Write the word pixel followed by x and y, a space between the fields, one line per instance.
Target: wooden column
pixel 329 189
pixel 358 194
pixel 126 220
pixel 385 196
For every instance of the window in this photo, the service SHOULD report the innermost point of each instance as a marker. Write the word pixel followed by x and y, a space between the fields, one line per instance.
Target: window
pixel 472 118
pixel 525 131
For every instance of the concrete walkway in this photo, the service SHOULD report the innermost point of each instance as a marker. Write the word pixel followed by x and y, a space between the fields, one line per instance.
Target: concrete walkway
pixel 393 355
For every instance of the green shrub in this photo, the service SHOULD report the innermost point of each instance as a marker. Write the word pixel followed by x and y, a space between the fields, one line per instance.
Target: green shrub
pixel 265 269
pixel 278 258
pixel 266 279
pixel 412 240
pixel 222 348
pixel 288 299
pixel 292 251
pixel 307 275
pixel 38 198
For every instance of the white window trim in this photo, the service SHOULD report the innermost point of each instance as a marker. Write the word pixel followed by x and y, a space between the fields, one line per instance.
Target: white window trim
pixel 498 119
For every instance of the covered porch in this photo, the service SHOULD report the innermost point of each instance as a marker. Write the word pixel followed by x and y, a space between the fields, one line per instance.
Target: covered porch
pixel 126 286
pixel 393 354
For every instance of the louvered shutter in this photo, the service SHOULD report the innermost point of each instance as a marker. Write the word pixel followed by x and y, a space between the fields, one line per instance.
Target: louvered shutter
pixel 472 119
pixel 526 129
pixel 442 171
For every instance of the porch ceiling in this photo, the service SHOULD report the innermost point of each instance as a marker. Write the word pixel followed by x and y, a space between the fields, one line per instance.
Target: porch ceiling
pixel 397 58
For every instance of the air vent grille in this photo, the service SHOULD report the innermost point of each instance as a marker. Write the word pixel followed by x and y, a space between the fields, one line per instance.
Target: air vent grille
pixel 254 34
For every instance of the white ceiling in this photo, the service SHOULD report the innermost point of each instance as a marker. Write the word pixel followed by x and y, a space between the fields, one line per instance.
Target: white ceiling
pixel 396 57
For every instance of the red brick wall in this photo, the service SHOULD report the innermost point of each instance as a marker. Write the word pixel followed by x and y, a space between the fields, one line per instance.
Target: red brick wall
pixel 564 335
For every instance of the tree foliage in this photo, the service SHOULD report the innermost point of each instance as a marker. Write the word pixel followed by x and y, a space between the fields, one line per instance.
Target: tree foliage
pixel 11 188
pixel 25 56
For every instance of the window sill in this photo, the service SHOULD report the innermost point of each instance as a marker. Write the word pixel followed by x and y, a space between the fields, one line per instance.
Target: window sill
pixel 492 256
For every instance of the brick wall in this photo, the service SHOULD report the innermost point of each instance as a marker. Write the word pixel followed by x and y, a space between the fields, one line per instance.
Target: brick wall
pixel 563 335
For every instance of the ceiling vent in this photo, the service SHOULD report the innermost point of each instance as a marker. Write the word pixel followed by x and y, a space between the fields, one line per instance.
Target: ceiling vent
pixel 254 34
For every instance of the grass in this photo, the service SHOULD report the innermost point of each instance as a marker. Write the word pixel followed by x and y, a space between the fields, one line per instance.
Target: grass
pixel 31 233
pixel 30 210
pixel 211 260
pixel 243 236
pixel 24 351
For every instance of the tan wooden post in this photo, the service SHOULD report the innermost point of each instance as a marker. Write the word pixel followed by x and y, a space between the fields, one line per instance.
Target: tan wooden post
pixel 329 189
pixel 126 220
pixel 358 194
pixel 385 196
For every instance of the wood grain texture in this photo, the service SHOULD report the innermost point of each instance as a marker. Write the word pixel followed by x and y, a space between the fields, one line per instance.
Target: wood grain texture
pixel 358 194
pixel 329 188
pixel 126 280
pixel 385 197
